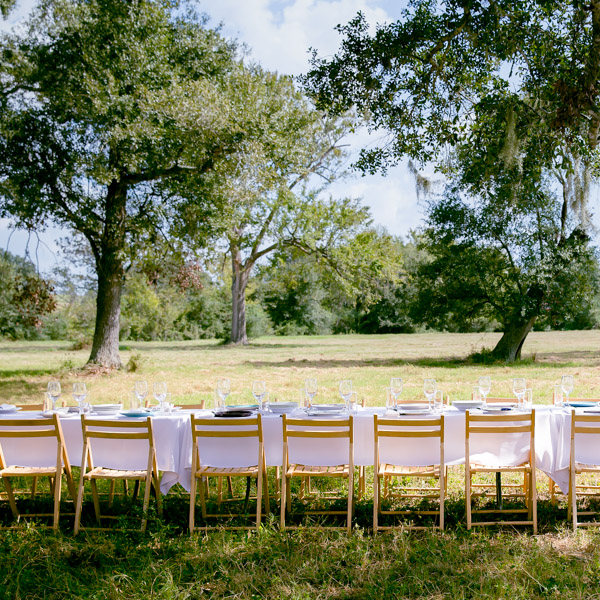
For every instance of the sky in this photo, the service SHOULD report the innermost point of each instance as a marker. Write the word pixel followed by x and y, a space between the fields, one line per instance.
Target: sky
pixel 278 34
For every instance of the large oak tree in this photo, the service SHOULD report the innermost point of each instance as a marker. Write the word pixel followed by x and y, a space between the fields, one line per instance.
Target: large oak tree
pixel 102 101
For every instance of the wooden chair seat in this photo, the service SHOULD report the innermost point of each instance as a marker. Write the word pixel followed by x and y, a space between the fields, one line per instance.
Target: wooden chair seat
pixel 523 467
pixel 294 470
pixel 104 473
pixel 404 471
pixel 227 471
pixel 16 471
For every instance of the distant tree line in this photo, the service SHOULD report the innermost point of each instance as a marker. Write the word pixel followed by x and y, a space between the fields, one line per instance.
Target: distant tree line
pixel 291 295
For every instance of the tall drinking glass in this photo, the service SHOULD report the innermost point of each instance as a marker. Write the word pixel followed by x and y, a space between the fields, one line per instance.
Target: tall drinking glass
pixel 438 401
pixel 429 387
pixel 223 390
pixel 54 392
pixel 558 395
pixel 567 386
pixel 396 387
pixel 259 391
pixel 141 391
pixel 160 393
pixel 485 386
pixel 519 386
pixel 346 391
pixel 80 394
pixel 310 391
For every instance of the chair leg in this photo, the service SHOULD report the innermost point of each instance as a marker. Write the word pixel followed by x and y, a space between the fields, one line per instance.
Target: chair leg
pixel 147 489
pixel 192 515
pixel 283 500
pixel 350 501
pixel 78 506
pixel 259 491
pixel 266 493
pixel 203 499
pixel 57 490
pixel 11 497
pixel 376 492
pixel 34 486
pixel 111 492
pixel 468 496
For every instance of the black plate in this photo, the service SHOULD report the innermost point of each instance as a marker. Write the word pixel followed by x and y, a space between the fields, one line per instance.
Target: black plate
pixel 233 413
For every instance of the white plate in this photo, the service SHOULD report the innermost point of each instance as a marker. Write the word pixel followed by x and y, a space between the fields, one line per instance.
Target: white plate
pixel 467 404
pixel 414 411
pixel 412 407
pixel 9 408
pixel 328 407
pixel 280 408
pixel 497 409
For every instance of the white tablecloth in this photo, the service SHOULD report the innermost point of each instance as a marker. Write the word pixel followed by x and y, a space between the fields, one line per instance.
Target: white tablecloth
pixel 173 441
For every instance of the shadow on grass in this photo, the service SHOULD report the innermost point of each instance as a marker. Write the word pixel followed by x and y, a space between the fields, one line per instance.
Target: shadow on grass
pixel 441 363
pixel 19 388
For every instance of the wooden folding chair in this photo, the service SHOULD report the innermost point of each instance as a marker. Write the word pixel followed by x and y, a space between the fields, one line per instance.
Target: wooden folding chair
pixel 393 466
pixel 26 432
pixel 123 435
pixel 250 459
pixel 583 426
pixel 317 430
pixel 477 427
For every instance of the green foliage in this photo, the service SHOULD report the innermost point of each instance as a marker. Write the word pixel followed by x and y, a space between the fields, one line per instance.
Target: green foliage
pixel 25 298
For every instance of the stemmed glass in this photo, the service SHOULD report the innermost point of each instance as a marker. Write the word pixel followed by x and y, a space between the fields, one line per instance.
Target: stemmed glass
pixel 223 390
pixel 395 388
pixel 429 387
pixel 346 391
pixel 566 381
pixel 519 386
pixel 259 391
pixel 141 391
pixel 485 386
pixel 80 394
pixel 310 390
pixel 160 393
pixel 54 392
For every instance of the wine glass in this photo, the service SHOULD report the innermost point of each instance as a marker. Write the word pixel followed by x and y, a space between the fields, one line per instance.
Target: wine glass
pixel 429 387
pixel 519 386
pixel 54 392
pixel 395 388
pixel 310 390
pixel 566 381
pixel 160 393
pixel 346 391
pixel 223 390
pixel 141 391
pixel 259 391
pixel 485 386
pixel 79 394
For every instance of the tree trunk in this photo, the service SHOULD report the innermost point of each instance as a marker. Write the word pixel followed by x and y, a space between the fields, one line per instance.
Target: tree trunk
pixel 239 281
pixel 110 271
pixel 511 343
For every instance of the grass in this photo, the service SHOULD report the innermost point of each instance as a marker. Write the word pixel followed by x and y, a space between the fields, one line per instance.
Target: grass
pixel 192 368
pixel 307 563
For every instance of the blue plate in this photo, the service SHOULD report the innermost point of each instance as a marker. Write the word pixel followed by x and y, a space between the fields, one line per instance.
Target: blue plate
pixel 578 404
pixel 135 413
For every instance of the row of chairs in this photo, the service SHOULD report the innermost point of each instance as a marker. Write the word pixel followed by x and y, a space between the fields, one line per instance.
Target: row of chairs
pixel 388 467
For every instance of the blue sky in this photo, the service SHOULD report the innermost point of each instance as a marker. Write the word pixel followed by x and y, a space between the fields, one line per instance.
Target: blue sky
pixel 278 34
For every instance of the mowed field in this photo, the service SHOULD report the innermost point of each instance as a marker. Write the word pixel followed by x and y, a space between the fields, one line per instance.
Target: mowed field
pixel 192 368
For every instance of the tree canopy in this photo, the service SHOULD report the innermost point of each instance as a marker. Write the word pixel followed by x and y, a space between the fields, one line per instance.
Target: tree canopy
pixel 103 100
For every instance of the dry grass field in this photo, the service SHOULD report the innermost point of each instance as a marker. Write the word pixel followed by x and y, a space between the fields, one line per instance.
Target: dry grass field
pixel 192 368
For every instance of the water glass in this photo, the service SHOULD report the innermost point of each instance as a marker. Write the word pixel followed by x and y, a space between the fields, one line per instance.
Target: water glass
pixel 223 391
pixel 438 402
pixel 485 386
pixel 477 393
pixel 160 393
pixel 264 404
pixel 54 392
pixel 558 395
pixel 141 391
pixel 396 387
pixel 390 400
pixel 567 385
pixel 80 394
pixel 528 399
pixel 352 403
pixel 345 390
pixel 429 388
pixel 310 391
pixel 134 401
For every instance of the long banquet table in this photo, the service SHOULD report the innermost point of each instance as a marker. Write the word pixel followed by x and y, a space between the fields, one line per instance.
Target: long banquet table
pixel 173 442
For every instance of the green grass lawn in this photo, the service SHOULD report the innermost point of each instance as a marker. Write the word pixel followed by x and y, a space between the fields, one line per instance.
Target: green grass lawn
pixel 307 563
